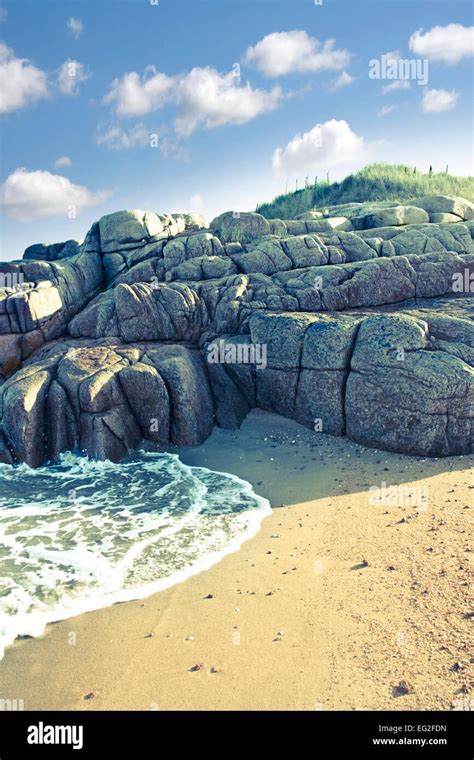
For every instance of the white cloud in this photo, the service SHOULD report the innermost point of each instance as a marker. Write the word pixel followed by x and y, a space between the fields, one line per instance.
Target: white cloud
pixel 342 80
pixel 75 26
pixel 323 147
pixel 116 138
pixel 63 161
pixel 28 195
pixel 70 74
pixel 282 53
pixel 444 43
pixel 385 110
pixel 203 97
pixel 21 83
pixel 207 98
pixel 435 101
pixel 133 95
pixel 398 84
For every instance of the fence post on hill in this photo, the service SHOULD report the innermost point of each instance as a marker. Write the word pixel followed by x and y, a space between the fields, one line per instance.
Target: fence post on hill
pixel 414 170
pixel 316 180
pixel 296 185
pixel 430 171
pixel 327 177
pixel 446 169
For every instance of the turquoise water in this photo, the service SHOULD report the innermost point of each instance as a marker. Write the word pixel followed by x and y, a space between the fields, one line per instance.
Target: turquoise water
pixel 82 534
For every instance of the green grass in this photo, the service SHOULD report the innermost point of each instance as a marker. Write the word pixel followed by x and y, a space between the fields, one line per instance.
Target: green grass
pixel 376 182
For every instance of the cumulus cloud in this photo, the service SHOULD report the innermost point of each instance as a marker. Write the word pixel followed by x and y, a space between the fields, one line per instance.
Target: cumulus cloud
pixel 29 195
pixel 207 98
pixel 116 138
pixel 448 44
pixel 21 83
pixel 203 97
pixel 435 101
pixel 385 110
pixel 63 161
pixel 70 75
pixel 75 26
pixel 135 95
pixel 341 81
pixel 324 146
pixel 282 53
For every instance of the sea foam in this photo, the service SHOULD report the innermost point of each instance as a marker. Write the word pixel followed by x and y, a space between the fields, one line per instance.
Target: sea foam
pixel 81 535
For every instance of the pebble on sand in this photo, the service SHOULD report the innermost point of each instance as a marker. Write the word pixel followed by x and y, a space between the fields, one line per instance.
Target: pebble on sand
pixel 403 688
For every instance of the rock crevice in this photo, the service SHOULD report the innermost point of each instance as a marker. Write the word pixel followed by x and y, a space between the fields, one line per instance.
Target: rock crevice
pixel 355 320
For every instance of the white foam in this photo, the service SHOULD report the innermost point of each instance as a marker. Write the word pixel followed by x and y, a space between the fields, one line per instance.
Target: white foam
pixel 83 535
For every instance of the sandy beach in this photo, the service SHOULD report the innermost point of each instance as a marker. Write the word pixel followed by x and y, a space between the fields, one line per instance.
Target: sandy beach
pixel 334 603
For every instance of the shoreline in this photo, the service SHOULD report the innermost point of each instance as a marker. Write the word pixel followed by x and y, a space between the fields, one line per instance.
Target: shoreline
pixel 330 605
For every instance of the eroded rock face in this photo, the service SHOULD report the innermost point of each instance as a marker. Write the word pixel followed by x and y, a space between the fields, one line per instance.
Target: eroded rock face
pixel 353 320
pixel 393 381
pixel 103 399
pixel 53 252
pixel 443 204
pixel 41 299
pixel 404 385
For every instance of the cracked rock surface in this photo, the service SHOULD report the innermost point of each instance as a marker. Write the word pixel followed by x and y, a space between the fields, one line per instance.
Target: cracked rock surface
pixel 353 320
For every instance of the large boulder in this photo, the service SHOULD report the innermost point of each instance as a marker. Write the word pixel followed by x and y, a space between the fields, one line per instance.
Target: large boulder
pixel 444 218
pixel 191 405
pixel 102 399
pixel 52 252
pixel 404 395
pixel 128 229
pixel 243 227
pixel 445 204
pixel 23 404
pixel 395 216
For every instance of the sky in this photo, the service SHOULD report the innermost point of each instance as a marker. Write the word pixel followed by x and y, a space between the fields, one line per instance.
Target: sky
pixel 212 105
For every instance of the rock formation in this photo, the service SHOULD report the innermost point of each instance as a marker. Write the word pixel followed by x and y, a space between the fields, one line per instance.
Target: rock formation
pixel 353 320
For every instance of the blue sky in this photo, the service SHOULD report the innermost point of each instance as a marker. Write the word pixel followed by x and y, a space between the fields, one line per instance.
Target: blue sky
pixel 126 104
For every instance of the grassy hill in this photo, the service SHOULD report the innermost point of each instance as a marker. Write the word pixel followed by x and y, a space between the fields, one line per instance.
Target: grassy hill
pixel 376 182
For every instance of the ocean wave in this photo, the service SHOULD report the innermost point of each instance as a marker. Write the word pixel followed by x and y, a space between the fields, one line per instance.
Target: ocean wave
pixel 81 534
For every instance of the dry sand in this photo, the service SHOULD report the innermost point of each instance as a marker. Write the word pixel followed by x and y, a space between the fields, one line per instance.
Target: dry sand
pixel 329 607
